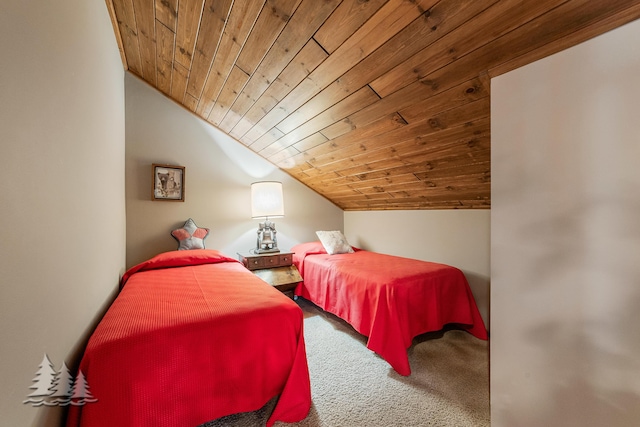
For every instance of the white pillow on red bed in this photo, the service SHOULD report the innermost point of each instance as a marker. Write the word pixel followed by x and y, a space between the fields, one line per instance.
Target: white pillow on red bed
pixel 190 236
pixel 334 242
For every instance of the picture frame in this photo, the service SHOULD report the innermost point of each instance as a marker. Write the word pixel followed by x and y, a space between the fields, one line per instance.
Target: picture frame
pixel 168 182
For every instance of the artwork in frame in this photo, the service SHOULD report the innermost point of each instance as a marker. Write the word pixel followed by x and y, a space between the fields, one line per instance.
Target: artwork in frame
pixel 168 182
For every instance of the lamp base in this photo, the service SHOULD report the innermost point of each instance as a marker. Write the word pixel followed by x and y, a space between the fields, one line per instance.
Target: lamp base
pixel 267 241
pixel 267 251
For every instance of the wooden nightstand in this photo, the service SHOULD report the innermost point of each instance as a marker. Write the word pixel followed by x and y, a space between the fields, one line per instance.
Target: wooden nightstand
pixel 275 269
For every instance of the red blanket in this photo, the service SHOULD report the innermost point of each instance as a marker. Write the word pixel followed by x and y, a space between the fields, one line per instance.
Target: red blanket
pixel 389 299
pixel 194 336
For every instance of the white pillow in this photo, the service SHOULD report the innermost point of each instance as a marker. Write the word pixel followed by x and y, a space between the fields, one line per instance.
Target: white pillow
pixel 334 242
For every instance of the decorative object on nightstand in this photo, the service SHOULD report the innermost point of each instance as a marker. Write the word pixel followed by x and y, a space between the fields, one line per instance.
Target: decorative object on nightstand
pixel 276 269
pixel 267 202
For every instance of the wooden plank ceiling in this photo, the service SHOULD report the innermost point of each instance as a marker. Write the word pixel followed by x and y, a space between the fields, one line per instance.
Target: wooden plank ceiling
pixel 375 104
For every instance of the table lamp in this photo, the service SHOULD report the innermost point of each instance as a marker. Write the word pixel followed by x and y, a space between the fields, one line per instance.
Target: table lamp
pixel 266 202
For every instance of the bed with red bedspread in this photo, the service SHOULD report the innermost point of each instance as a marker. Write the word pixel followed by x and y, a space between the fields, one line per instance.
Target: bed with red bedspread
pixel 194 336
pixel 386 298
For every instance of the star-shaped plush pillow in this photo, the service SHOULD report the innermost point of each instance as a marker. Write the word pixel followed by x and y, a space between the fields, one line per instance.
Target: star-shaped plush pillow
pixel 190 236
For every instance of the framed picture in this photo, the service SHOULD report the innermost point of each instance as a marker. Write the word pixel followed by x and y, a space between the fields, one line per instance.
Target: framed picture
pixel 168 183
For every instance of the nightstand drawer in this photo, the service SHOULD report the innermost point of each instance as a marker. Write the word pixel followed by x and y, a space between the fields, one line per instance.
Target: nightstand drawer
pixel 285 259
pixel 253 263
pixel 275 269
pixel 260 261
pixel 271 261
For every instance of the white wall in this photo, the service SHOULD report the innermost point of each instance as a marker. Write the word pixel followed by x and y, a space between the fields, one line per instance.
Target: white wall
pixel 455 237
pixel 565 297
pixel 219 172
pixel 62 209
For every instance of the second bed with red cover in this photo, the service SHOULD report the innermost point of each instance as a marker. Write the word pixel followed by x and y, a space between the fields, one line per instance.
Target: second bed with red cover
pixel 386 298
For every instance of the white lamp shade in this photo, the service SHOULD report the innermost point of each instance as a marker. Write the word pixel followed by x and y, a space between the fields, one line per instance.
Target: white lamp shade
pixel 266 199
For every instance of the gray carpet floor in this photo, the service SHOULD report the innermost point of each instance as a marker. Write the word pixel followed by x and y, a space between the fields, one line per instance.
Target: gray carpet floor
pixel 352 386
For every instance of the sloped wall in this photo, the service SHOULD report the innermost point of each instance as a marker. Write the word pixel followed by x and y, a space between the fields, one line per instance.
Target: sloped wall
pixel 219 172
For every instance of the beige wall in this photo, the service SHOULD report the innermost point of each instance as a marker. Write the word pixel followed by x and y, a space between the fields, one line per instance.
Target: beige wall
pixel 455 237
pixel 63 214
pixel 219 172
pixel 565 295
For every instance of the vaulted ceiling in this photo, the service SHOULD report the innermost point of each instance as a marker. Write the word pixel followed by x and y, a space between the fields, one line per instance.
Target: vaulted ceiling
pixel 375 104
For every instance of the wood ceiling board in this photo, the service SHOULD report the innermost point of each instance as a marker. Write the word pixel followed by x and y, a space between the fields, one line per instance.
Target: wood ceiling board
pixel 495 21
pixel 417 203
pixel 295 101
pixel 145 27
pixel 423 31
pixel 356 102
pixel 435 164
pixel 434 171
pixel 165 42
pixel 329 114
pixel 179 78
pixel 338 129
pixel 628 12
pixel 423 95
pixel 420 136
pixel 190 102
pixel 426 162
pixel 466 92
pixel 230 91
pixel 427 158
pixel 390 19
pixel 189 12
pixel 275 115
pixel 167 13
pixel 456 116
pixel 116 31
pixel 125 16
pixel 293 44
pixel 310 142
pixel 274 16
pixel 347 18
pixel 439 193
pixel 275 147
pixel 381 184
pixel 214 16
pixel 420 188
pixel 545 29
pixel 381 126
pixel 257 102
pixel 236 31
pixel 282 156
pixel 422 169
pixel 266 140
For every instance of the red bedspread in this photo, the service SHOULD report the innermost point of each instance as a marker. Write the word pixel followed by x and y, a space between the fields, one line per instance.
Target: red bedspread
pixel 389 299
pixel 194 336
